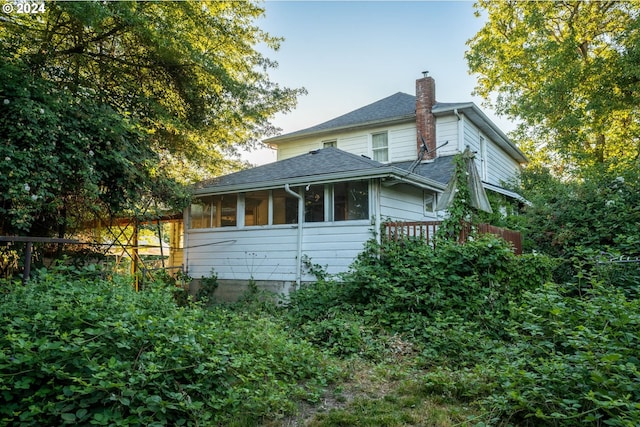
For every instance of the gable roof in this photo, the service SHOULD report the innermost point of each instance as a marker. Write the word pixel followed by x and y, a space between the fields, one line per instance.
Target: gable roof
pixel 401 107
pixel 325 165
pixel 398 107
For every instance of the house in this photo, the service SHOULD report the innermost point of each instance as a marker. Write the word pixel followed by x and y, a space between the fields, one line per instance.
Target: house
pixel 332 187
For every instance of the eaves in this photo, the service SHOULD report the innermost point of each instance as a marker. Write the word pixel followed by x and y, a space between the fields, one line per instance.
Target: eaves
pixel 391 173
pixel 350 127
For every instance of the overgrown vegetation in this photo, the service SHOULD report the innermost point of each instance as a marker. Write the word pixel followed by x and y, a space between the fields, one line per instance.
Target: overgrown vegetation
pixel 412 335
pixel 80 350
pixel 490 330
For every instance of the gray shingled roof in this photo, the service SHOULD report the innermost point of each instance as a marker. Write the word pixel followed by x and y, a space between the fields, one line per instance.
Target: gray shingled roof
pixel 325 163
pixel 440 169
pixel 318 162
pixel 394 107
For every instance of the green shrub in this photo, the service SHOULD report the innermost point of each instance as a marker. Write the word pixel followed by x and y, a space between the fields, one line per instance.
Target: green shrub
pixel 475 281
pixel 76 350
pixel 572 359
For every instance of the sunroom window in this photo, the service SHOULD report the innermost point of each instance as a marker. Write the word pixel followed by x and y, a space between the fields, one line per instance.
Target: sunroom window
pixel 285 207
pixel 214 211
pixel 314 203
pixel 350 200
pixel 201 213
pixel 256 208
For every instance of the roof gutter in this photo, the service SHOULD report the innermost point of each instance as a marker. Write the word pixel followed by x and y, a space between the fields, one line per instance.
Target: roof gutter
pixel 383 172
pixel 288 189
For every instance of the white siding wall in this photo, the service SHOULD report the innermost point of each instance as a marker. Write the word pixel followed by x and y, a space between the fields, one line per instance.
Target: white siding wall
pixel 270 253
pixel 302 146
pixel 447 130
pixel 402 143
pixel 402 202
pixel 500 166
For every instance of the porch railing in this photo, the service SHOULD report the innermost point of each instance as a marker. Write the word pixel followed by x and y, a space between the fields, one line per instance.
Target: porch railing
pixel 426 230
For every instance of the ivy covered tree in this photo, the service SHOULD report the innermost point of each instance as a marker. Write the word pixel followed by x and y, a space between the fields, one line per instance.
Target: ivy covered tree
pixel 568 71
pixel 107 105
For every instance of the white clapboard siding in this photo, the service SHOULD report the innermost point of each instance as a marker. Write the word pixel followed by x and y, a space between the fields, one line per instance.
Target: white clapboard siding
pixel 402 202
pixel 447 131
pixel 335 245
pixel 288 150
pixel 270 253
pixel 402 142
pixel 356 144
pixel 261 253
pixel 501 167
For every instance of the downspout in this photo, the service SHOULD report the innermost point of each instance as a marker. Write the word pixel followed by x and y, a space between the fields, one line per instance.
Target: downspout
pixel 460 130
pixel 300 224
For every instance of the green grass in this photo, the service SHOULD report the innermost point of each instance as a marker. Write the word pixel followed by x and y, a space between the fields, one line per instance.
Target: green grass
pixel 389 393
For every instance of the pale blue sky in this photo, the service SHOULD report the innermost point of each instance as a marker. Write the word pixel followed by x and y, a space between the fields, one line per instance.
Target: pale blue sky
pixel 348 54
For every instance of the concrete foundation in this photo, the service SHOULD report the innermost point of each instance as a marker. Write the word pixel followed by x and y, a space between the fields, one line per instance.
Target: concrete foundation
pixel 233 290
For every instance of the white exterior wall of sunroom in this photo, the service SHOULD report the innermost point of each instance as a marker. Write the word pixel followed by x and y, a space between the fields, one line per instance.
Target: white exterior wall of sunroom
pixel 269 253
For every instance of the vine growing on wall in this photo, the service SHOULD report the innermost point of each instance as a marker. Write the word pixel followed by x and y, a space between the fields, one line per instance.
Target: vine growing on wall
pixel 460 211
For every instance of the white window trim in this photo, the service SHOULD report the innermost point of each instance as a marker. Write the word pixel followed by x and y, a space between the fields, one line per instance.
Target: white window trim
pixel 483 157
pixel 371 150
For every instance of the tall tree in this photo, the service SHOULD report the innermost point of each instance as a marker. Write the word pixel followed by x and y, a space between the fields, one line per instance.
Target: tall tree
pixel 110 99
pixel 570 72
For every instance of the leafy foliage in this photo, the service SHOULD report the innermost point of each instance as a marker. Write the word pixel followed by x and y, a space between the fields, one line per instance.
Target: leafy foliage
pixel 567 70
pixel 459 210
pixel 76 350
pixel 579 221
pixel 66 155
pixel 574 359
pixel 491 329
pixel 107 105
pixel 410 288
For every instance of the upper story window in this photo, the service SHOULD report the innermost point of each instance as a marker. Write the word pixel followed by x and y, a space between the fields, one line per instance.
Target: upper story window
pixel 380 146
pixel 483 158
pixel 329 143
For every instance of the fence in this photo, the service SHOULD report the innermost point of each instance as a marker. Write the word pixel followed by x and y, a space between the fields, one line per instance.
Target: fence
pixel 426 230
pixel 20 253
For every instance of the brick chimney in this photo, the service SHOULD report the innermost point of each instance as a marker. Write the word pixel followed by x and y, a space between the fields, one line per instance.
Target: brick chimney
pixel 425 121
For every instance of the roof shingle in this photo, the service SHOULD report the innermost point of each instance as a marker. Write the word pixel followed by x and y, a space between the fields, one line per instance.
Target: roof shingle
pixel 318 162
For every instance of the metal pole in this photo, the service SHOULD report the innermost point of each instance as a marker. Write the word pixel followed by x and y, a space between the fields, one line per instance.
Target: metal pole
pixel 27 262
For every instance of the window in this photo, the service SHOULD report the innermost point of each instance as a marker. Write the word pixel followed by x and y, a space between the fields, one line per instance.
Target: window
pixel 285 207
pixel 380 147
pixel 350 200
pixel 430 202
pixel 214 211
pixel 342 201
pixel 201 213
pixel 330 143
pixel 314 203
pixel 256 208
pixel 483 159
pixel 225 210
